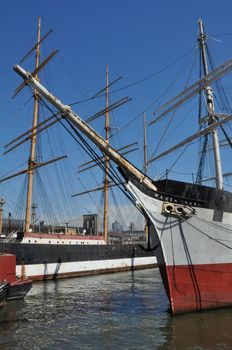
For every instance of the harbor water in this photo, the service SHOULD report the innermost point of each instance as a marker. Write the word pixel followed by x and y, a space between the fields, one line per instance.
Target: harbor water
pixel 126 310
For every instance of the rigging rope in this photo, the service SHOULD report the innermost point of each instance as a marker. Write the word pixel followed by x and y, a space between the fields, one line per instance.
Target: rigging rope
pixel 18 213
pixel 93 155
pixel 138 81
pixel 46 204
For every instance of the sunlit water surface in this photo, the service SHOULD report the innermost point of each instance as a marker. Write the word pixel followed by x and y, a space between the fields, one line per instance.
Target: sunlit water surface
pixel 115 311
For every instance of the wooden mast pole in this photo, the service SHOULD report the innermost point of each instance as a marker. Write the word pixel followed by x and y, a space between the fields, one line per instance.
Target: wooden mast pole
pixel 31 161
pixel 106 181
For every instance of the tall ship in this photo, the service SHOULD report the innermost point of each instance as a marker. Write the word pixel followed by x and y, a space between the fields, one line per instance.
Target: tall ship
pixel 48 251
pixel 190 223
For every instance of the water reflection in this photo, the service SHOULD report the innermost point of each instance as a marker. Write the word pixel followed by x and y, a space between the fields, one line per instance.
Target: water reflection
pixel 115 311
pixel 206 330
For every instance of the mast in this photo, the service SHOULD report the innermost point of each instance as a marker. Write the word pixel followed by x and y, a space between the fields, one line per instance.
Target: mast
pixel 99 141
pixel 211 110
pixel 31 161
pixel 145 143
pixel 106 181
pixel 2 202
pixel 145 166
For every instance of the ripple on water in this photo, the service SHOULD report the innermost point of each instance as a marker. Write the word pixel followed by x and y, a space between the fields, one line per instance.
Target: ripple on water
pixel 116 311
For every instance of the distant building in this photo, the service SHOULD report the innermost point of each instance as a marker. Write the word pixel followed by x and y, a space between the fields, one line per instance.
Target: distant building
pixel 132 226
pixel 127 237
pixel 9 224
pixel 116 227
pixel 91 224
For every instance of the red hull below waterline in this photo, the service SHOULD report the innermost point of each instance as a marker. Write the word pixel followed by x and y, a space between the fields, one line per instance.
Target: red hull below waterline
pixel 199 287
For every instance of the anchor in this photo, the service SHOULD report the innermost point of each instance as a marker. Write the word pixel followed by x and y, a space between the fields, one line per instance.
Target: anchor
pixel 149 229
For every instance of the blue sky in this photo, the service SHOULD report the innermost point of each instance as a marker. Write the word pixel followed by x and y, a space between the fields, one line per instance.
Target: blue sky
pixel 136 38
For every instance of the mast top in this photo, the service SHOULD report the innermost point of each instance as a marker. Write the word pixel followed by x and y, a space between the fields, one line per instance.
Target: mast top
pixel 202 36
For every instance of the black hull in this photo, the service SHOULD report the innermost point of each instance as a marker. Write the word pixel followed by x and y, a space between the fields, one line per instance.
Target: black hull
pixel 28 255
pixel 3 293
pixel 18 290
pixel 45 253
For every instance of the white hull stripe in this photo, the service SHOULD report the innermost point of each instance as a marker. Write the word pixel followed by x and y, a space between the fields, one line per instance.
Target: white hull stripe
pixel 83 266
